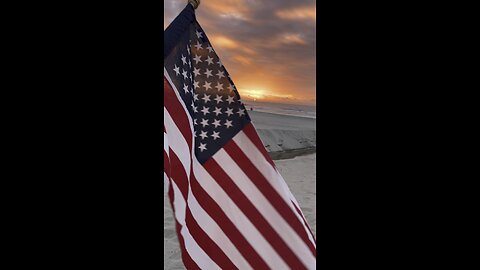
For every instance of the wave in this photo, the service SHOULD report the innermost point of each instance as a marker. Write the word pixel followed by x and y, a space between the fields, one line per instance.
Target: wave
pixel 283 109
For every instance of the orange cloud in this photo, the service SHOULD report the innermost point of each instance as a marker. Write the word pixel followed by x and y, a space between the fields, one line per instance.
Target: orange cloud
pixel 242 60
pixel 293 39
pixel 219 41
pixel 300 13
pixel 236 9
pixel 223 41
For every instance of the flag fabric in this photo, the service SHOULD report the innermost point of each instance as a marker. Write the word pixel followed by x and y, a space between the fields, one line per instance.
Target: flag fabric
pixel 232 208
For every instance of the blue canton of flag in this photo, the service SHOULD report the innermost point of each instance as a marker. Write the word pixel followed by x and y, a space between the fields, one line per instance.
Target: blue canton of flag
pixel 204 84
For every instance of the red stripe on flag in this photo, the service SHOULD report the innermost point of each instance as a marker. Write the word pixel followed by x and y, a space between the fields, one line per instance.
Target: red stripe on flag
pixel 206 243
pixel 227 184
pixel 203 240
pixel 187 260
pixel 306 224
pixel 217 214
pixel 251 133
pixel 178 175
pixel 176 110
pixel 166 164
pixel 268 191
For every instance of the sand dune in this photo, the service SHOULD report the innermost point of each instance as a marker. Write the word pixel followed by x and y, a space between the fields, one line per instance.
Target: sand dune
pixel 281 133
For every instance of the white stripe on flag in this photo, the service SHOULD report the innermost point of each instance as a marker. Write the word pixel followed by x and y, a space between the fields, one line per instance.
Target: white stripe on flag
pixel 165 148
pixel 179 145
pixel 196 253
pixel 212 229
pixel 177 142
pixel 270 173
pixel 252 152
pixel 190 121
pixel 266 209
pixel 165 140
pixel 165 182
pixel 241 222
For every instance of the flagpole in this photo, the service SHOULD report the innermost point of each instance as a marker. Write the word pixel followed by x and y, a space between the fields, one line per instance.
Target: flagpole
pixel 194 3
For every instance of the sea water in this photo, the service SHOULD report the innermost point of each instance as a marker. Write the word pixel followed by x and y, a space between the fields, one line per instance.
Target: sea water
pixel 308 111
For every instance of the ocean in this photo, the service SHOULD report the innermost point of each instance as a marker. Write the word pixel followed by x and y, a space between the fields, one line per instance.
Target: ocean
pixel 284 109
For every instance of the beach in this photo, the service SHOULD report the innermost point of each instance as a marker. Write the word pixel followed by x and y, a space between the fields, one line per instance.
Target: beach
pixel 291 142
pixel 285 136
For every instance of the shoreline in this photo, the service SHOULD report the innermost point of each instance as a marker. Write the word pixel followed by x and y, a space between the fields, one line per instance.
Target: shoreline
pixel 284 114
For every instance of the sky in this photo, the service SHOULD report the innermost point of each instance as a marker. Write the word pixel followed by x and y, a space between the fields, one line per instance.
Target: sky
pixel 267 46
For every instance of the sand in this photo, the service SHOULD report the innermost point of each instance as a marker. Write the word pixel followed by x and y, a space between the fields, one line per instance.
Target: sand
pixel 171 252
pixel 288 139
pixel 283 133
pixel 301 176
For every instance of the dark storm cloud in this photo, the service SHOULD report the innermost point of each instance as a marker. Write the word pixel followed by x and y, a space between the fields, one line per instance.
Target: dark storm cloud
pixel 263 44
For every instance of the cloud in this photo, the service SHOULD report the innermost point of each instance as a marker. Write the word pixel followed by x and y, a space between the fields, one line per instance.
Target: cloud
pixel 223 41
pixel 293 39
pixel 242 60
pixel 299 13
pixel 229 9
pixel 263 44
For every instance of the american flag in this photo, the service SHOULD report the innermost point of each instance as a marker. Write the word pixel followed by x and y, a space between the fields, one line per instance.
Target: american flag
pixel 232 208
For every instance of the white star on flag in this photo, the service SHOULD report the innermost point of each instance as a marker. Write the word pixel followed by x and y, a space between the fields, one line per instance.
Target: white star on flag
pixel 230 99
pixel 241 112
pixel 219 86
pixel 207 85
pixel 195 84
pixel 205 110
pixel 203 147
pixel 196 71
pixel 197 59
pixel 177 70
pixel 217 111
pixel 203 134
pixel 208 73
pixel 209 60
pixel 228 123
pixel 215 135
pixel 198 46
pixel 204 122
pixel 220 74
pixel 219 99
pixel 216 123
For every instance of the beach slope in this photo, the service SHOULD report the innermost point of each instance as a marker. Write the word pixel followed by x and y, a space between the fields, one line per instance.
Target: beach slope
pixel 285 136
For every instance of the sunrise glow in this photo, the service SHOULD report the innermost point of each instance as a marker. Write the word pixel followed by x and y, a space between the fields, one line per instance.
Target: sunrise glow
pixel 253 94
pixel 267 47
